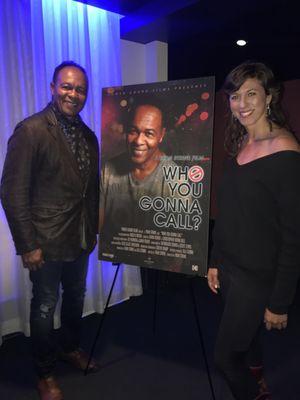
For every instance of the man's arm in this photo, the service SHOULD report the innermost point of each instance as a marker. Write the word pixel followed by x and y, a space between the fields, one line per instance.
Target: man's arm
pixel 102 196
pixel 16 187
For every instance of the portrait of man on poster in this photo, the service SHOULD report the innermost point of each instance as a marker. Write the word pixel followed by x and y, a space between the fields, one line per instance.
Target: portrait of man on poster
pixel 138 171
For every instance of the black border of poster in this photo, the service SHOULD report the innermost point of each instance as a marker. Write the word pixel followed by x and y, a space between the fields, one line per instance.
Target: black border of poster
pixel 166 225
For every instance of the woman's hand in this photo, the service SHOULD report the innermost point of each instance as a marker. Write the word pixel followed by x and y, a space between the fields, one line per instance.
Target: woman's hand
pixel 212 280
pixel 275 321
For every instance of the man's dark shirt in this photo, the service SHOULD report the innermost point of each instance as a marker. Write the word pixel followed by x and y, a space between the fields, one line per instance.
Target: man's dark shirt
pixel 72 130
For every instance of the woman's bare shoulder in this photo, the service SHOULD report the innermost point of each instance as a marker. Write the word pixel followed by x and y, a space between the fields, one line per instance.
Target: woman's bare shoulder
pixel 284 140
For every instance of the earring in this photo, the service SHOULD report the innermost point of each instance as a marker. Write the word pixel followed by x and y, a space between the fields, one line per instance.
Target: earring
pixel 268 110
pixel 233 117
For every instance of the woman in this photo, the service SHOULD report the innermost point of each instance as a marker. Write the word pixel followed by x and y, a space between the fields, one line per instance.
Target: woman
pixel 255 258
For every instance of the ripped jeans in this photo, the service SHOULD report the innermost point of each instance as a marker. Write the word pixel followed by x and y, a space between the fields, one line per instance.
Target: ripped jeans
pixel 45 289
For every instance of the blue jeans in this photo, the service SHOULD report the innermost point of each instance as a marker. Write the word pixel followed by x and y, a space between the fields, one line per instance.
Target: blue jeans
pixel 45 290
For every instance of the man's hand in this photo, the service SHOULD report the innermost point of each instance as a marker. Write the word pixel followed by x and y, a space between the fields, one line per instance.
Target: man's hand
pixel 212 280
pixel 33 260
pixel 275 321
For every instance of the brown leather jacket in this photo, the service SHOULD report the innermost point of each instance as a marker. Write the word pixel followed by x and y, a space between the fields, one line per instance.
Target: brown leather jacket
pixel 47 204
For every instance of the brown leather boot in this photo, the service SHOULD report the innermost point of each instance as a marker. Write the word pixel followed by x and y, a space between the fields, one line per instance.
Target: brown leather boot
pixel 49 389
pixel 263 393
pixel 79 359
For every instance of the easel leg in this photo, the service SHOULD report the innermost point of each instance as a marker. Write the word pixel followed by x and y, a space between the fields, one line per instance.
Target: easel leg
pixel 155 300
pixel 102 319
pixel 193 296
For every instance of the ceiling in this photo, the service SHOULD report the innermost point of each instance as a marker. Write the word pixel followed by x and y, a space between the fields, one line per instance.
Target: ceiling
pixel 201 35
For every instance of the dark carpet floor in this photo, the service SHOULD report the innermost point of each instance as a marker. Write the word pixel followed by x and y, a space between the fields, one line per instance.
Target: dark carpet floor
pixel 168 365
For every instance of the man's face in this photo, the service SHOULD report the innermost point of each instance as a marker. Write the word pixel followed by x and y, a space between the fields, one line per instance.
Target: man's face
pixel 145 135
pixel 69 92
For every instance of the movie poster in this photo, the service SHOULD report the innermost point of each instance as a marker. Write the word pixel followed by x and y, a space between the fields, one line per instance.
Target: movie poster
pixel 156 146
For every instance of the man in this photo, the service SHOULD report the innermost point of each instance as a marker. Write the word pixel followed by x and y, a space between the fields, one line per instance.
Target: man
pixel 125 179
pixel 49 191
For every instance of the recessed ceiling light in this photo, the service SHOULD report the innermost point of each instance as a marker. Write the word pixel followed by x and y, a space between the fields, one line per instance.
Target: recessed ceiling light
pixel 241 42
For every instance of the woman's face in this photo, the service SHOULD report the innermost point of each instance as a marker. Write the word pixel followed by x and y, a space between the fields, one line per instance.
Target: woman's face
pixel 249 103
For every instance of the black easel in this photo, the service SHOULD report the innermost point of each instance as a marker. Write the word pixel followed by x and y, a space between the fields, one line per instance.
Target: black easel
pixel 194 302
pixel 155 300
pixel 193 297
pixel 102 318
